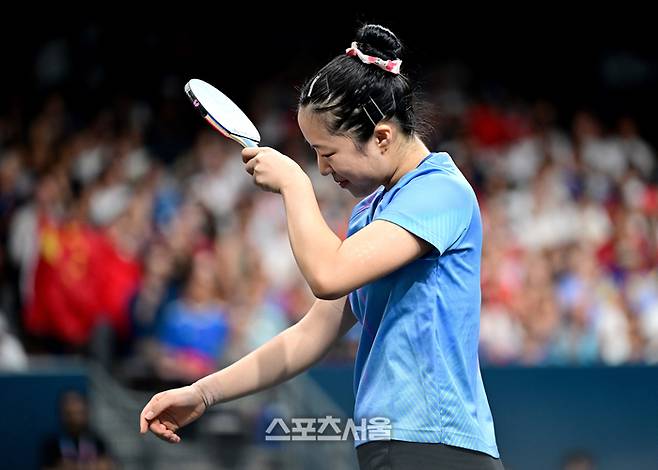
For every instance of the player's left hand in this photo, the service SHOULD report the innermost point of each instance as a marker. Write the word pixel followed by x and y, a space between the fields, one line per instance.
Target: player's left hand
pixel 271 170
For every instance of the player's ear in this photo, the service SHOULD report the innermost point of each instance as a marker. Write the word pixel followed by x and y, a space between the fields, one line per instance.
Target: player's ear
pixel 383 135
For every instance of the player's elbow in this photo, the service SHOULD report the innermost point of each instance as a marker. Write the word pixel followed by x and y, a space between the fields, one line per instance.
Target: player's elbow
pixel 328 294
pixel 326 287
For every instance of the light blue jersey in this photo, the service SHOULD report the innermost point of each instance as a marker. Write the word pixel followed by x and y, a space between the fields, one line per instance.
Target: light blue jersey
pixel 417 362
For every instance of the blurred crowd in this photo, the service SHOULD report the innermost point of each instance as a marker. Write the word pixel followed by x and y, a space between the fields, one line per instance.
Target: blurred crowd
pixel 570 217
pixel 163 268
pixel 121 239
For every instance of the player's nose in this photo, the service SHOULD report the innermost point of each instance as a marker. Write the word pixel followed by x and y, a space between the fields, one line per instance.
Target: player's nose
pixel 323 166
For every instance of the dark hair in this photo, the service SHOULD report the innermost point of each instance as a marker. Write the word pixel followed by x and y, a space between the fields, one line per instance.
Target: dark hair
pixel 352 95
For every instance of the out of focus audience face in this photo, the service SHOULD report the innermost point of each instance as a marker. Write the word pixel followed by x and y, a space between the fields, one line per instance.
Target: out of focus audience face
pixel 202 285
pixel 74 413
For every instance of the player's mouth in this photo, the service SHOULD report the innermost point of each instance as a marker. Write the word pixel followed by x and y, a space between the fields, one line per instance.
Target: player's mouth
pixel 342 183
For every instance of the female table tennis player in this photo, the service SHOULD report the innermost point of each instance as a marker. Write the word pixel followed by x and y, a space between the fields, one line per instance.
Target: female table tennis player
pixel 409 272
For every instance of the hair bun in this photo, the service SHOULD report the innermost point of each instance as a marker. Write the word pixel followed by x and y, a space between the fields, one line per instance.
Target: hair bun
pixel 374 39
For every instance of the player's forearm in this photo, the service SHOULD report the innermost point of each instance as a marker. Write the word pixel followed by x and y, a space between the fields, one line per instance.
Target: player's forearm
pixel 283 357
pixel 313 243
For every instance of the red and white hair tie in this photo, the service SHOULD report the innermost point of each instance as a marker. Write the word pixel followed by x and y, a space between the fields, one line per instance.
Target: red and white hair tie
pixel 392 66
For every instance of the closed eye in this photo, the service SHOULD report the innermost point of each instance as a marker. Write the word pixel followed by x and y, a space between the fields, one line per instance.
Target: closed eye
pixel 327 156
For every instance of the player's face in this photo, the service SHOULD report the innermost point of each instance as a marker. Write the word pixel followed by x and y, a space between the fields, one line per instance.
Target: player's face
pixel 360 172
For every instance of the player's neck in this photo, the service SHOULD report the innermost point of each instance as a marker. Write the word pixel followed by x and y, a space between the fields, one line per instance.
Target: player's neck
pixel 410 155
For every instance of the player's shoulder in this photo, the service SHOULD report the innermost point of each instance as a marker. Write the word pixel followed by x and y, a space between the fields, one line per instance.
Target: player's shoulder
pixel 437 176
pixel 438 165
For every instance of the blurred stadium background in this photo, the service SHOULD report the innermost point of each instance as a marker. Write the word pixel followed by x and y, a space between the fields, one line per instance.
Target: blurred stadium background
pixel 137 255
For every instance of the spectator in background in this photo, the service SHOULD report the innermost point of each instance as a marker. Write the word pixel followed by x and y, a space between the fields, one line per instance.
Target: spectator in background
pixel 156 290
pixel 194 331
pixel 77 445
pixel 576 342
pixel 220 181
pixel 637 151
pixel 28 223
pixel 63 307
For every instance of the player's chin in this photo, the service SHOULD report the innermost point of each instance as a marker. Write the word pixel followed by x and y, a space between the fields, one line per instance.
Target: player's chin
pixel 357 190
